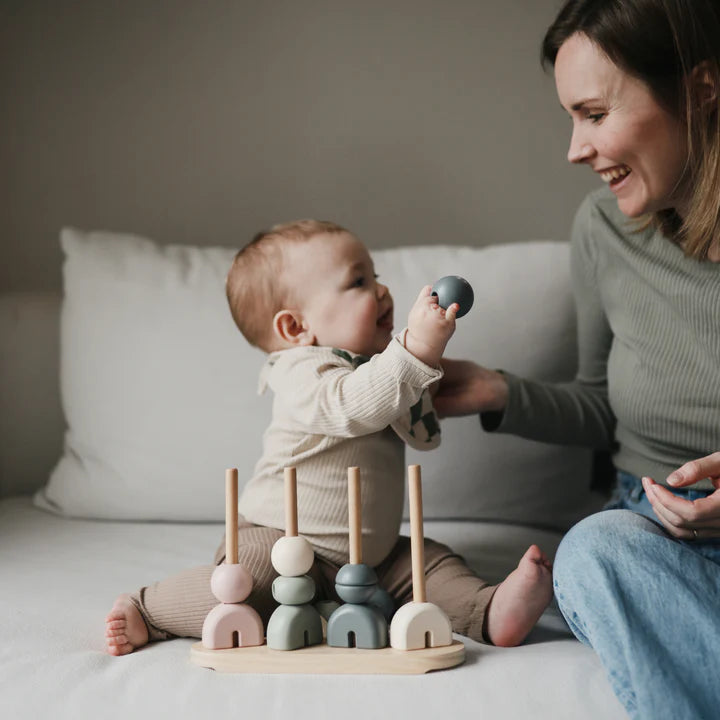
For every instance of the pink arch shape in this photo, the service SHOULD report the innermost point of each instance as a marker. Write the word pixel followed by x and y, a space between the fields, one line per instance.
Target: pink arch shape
pixel 227 618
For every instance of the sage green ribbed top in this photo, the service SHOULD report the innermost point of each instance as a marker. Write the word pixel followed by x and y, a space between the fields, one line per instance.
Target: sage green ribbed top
pixel 648 380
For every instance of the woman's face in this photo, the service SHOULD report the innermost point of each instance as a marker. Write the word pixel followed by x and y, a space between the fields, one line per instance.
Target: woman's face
pixel 620 130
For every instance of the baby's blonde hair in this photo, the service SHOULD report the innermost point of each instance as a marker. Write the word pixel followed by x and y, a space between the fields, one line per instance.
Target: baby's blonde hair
pixel 256 288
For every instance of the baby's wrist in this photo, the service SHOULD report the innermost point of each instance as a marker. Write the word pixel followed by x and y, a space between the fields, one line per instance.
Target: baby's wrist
pixel 423 351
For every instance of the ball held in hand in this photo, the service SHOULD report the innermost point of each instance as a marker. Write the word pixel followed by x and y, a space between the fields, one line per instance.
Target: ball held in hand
pixel 454 289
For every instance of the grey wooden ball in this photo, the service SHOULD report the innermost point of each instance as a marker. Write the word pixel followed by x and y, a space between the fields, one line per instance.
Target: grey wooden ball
pixel 355 583
pixel 293 590
pixel 356 574
pixel 454 289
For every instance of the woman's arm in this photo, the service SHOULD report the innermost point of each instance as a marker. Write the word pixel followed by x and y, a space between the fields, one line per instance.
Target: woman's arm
pixel 467 388
pixel 575 413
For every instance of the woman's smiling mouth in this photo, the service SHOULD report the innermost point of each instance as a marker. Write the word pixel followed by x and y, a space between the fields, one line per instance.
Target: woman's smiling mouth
pixel 614 175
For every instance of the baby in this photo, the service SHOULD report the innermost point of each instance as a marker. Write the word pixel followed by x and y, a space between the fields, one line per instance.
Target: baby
pixel 346 393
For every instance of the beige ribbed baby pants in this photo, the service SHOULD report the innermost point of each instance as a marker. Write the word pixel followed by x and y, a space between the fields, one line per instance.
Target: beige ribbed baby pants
pixel 177 606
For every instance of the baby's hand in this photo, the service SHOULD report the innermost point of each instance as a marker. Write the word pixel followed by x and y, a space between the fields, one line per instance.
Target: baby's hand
pixel 429 327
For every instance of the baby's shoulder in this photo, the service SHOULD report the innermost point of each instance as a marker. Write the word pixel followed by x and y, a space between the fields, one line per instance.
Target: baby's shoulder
pixel 315 353
pixel 309 361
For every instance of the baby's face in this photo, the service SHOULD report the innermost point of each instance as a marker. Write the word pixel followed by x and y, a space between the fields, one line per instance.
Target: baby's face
pixel 333 279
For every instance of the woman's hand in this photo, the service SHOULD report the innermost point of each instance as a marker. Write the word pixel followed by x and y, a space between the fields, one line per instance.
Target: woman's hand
pixel 467 388
pixel 688 519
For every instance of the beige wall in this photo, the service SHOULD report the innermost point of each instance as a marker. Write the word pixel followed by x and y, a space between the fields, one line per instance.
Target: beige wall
pixel 410 121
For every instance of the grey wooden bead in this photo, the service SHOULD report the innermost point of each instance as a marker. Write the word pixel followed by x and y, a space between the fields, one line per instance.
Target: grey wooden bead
pixel 355 594
pixel 293 590
pixel 383 601
pixel 355 583
pixel 454 289
pixel 356 574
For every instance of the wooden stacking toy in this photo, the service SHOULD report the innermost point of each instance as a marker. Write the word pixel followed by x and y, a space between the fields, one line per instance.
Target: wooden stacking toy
pixel 418 624
pixel 295 623
pixel 357 623
pixel 231 623
pixel 420 628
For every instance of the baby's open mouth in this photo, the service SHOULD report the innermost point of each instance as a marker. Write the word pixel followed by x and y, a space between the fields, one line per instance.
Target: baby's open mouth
pixel 386 319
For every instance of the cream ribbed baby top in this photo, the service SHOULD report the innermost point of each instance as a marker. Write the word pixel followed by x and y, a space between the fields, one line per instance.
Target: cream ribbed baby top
pixel 333 410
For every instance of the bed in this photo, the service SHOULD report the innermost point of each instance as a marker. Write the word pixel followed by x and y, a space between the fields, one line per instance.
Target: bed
pixel 124 400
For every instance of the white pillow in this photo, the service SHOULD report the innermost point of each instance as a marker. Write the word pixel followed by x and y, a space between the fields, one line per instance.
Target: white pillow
pixel 523 321
pixel 159 388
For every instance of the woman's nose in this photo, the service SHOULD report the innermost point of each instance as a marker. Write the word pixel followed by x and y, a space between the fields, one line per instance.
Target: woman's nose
pixel 580 149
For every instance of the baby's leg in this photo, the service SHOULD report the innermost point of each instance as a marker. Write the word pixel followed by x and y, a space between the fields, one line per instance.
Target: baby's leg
pixel 470 602
pixel 449 583
pixel 177 606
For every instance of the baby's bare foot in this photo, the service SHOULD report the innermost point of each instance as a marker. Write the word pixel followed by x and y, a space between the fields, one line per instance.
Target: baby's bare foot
pixel 125 629
pixel 520 599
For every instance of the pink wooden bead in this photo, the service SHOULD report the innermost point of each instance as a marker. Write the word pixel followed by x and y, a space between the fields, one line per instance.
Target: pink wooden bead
pixel 231 583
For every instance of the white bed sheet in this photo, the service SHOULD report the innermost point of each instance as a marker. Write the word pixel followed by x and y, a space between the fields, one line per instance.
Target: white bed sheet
pixel 58 579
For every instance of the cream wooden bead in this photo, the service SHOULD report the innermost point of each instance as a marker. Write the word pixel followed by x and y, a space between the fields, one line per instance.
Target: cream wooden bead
pixel 292 556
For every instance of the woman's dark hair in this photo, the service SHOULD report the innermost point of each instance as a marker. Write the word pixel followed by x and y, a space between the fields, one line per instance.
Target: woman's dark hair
pixel 666 44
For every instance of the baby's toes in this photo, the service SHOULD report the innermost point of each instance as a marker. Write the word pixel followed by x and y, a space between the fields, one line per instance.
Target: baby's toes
pixel 116 640
pixel 122 649
pixel 532 555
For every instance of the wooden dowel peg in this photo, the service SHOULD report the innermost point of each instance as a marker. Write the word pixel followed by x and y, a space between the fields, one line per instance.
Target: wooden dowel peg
pixel 355 515
pixel 291 517
pixel 231 516
pixel 417 540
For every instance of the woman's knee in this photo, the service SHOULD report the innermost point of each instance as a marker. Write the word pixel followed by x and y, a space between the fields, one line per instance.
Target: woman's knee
pixel 596 543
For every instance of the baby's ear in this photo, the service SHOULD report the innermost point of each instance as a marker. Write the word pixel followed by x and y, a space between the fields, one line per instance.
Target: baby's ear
pixel 290 328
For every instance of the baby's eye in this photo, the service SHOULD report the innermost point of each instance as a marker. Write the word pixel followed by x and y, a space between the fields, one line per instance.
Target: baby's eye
pixel 361 281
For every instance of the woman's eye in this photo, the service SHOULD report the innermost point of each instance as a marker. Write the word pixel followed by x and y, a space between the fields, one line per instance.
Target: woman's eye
pixel 596 117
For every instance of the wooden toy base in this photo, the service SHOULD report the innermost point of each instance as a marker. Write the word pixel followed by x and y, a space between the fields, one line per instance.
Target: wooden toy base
pixel 326 660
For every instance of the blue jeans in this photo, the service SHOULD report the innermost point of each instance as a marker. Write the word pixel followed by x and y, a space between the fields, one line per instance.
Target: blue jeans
pixel 648 604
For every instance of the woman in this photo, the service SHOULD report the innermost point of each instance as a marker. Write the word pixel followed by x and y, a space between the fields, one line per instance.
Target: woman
pixel 639 583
